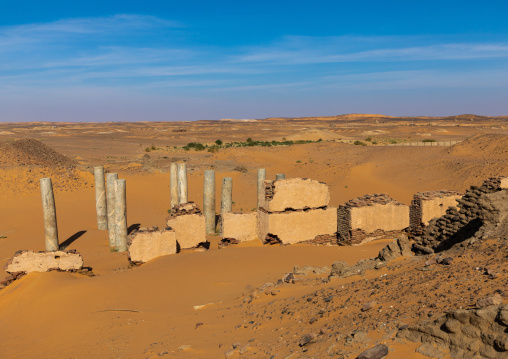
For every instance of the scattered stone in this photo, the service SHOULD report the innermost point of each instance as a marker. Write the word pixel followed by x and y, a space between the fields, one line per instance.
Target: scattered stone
pixel 368 306
pixel 377 352
pixel 446 261
pixel 306 339
pixel 494 299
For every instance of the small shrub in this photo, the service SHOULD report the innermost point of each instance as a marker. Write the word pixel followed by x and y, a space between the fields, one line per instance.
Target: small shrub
pixel 369 139
pixel 359 143
pixel 374 142
pixel 311 161
pixel 320 140
pixel 428 140
pixel 249 140
pixel 393 142
pixel 298 161
pixel 213 149
pixel 153 148
pixel 218 142
pixel 148 149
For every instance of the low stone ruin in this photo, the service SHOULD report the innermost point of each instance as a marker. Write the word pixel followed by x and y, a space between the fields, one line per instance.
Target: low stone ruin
pixel 149 243
pixel 24 262
pixel 428 205
pixel 296 210
pixel 370 215
pixel 30 261
pixel 240 226
pixel 189 225
pixel 480 206
pixel 473 333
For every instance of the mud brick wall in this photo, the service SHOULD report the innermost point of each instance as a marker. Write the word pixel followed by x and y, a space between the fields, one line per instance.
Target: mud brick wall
pixel 460 222
pixel 428 205
pixel 370 215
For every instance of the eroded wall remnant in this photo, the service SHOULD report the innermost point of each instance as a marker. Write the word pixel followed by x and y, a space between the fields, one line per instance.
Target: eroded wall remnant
pixel 149 243
pixel 30 261
pixel 428 205
pixel 188 223
pixel 240 226
pixel 296 210
pixel 295 193
pixel 370 215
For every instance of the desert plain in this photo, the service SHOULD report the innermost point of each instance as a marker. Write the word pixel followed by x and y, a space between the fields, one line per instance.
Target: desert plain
pixel 215 303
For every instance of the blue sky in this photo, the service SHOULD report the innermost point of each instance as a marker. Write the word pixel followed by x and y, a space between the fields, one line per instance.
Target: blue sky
pixel 206 60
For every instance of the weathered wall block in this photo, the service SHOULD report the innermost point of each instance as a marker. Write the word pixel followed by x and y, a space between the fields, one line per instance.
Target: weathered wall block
pixel 297 226
pixel 190 229
pixel 372 214
pixel 147 245
pixel 294 193
pixel 30 261
pixel 387 217
pixel 240 226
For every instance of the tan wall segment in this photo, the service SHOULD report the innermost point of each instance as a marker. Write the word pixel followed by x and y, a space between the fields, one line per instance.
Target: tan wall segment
pixel 387 217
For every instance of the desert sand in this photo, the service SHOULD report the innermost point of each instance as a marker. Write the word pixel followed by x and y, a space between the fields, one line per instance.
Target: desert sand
pixel 149 311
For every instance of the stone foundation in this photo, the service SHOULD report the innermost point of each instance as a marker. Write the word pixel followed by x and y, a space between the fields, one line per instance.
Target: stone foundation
pixel 30 261
pixel 148 244
pixel 240 226
pixel 297 226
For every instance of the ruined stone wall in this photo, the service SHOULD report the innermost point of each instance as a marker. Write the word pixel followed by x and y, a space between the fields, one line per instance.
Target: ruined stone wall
pixel 460 222
pixel 428 205
pixel 372 214
pixel 294 193
pixel 149 243
pixel 189 225
pixel 240 226
pixel 298 226
pixel 296 210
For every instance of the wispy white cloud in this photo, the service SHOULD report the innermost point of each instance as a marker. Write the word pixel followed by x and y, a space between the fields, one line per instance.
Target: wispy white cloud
pixel 305 50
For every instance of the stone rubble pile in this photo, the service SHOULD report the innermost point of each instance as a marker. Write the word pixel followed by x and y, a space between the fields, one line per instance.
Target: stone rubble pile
pixel 475 209
pixel 428 205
